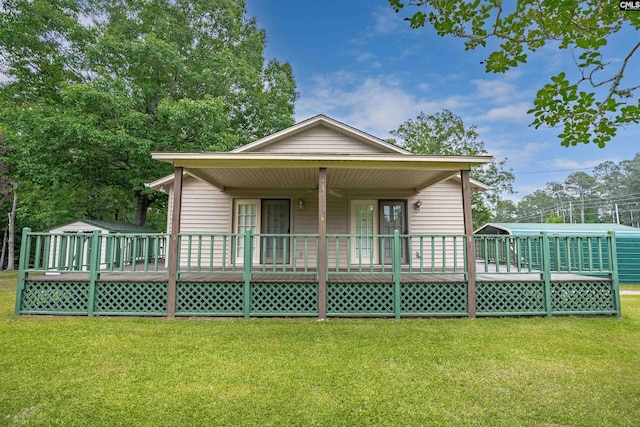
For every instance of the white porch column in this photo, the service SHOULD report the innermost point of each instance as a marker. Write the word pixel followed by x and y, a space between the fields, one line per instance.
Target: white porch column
pixel 471 256
pixel 173 243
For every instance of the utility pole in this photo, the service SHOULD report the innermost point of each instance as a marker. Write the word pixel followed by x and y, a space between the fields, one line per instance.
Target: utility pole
pixel 570 212
pixel 617 215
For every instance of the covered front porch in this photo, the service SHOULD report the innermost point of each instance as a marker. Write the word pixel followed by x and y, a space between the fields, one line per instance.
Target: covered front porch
pixel 332 214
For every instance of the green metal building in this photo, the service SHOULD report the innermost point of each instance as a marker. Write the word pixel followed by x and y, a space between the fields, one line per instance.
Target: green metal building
pixel 627 241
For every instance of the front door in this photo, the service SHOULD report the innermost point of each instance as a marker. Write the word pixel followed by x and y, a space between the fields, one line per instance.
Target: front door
pixel 275 220
pixel 393 217
pixel 364 226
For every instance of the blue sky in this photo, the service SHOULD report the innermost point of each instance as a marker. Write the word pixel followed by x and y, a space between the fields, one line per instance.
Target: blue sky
pixel 359 62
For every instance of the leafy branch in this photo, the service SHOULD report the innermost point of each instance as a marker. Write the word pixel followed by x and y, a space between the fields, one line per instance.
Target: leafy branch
pixel 588 116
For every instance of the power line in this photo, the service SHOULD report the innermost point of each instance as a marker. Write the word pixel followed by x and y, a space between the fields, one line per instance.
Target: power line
pixel 553 170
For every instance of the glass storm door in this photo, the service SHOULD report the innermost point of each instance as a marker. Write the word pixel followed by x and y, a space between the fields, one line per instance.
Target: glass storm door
pixel 392 217
pixel 247 217
pixel 364 223
pixel 275 220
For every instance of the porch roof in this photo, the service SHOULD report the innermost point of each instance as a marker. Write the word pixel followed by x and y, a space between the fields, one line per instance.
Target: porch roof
pixel 267 170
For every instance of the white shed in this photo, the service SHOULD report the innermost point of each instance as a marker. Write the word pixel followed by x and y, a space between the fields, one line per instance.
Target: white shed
pixel 69 245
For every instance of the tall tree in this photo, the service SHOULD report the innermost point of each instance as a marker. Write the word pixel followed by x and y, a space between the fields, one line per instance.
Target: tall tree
pixel 630 193
pixel 506 211
pixel 97 85
pixel 537 207
pixel 597 100
pixel 445 134
pixel 7 207
pixel 557 190
pixel 610 179
pixel 581 184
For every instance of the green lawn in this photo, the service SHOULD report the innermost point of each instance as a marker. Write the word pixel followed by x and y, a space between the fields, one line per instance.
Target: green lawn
pixel 281 372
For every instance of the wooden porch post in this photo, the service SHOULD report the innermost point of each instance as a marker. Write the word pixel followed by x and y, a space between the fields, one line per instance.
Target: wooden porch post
pixel 322 244
pixel 471 256
pixel 173 243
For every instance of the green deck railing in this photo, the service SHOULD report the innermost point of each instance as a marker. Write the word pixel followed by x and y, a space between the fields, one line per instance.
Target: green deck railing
pixel 223 253
pixel 277 274
pixel 92 252
pixel 396 254
pixel 557 253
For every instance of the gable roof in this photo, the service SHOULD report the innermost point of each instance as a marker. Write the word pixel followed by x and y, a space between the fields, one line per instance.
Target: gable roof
pixel 114 227
pixel 261 164
pixel 322 120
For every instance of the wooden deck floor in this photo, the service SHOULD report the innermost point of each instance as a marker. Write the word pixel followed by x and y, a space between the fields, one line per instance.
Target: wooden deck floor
pixel 342 276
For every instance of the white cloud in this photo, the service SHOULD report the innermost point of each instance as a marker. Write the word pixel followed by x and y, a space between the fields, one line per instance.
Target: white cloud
pixel 496 91
pixel 381 103
pixel 582 164
pixel 386 20
pixel 364 56
pixel 375 104
pixel 518 154
pixel 513 113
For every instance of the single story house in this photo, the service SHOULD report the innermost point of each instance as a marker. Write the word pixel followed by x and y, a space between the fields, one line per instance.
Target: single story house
pixel 271 187
pixel 319 219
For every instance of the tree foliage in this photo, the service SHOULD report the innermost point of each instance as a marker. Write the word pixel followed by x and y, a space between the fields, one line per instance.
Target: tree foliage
pixel 445 134
pixel 589 106
pixel 95 86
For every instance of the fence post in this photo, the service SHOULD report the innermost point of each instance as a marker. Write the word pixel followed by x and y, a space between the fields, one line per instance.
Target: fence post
pixel 94 267
pixel 613 270
pixel 247 267
pixel 545 267
pixel 23 265
pixel 397 274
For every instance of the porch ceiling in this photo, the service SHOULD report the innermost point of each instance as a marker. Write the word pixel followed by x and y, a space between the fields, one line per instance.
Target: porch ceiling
pixel 259 170
pixel 308 178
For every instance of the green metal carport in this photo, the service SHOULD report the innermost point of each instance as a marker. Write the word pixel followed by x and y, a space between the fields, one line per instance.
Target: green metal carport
pixel 627 240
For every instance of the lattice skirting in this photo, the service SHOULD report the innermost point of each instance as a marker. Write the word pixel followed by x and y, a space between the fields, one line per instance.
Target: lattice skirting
pixel 209 299
pixel 131 298
pixel 377 299
pixel 434 299
pixel 266 299
pixel 360 299
pixel 55 298
pixel 301 298
pixel 510 298
pixel 111 298
pixel 284 299
pixel 528 298
pixel 596 297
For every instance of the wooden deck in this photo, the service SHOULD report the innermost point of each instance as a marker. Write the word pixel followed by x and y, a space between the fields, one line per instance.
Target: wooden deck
pixel 343 276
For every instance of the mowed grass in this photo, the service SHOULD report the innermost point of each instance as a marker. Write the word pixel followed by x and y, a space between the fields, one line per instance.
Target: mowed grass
pixel 301 372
